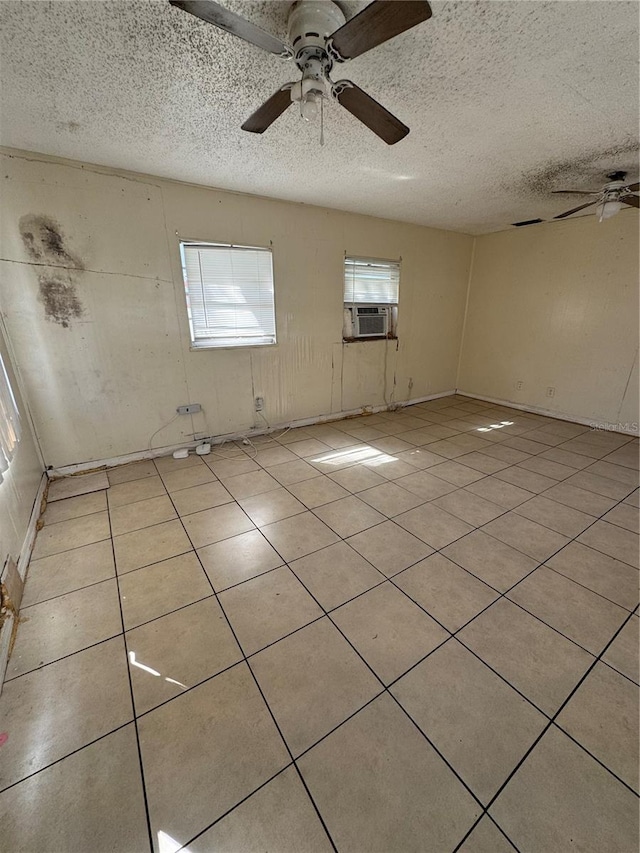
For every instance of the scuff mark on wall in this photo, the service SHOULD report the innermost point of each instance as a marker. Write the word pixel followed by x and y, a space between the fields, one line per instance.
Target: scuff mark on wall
pixel 60 300
pixel 43 239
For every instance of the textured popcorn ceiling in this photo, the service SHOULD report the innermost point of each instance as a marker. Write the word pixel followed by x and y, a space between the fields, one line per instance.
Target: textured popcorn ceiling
pixel 505 100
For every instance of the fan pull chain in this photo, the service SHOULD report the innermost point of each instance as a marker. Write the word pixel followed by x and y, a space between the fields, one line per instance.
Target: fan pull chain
pixel 321 120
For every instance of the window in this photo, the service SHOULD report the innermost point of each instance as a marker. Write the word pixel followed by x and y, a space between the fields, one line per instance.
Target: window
pixel 230 298
pixel 370 298
pixel 9 421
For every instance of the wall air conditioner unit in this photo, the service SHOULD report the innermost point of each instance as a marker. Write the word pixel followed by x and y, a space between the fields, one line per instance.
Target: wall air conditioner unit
pixel 370 321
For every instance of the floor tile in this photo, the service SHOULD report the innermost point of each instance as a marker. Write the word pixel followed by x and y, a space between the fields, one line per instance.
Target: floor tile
pixel 278 817
pixel 254 483
pixel 69 570
pixel 498 492
pixel 63 808
pixel 136 490
pixel 533 658
pixel 141 514
pixel 547 468
pixel 67 624
pixel 215 524
pixel 237 559
pixel 469 507
pixel 625 516
pixel 602 716
pixel 162 587
pixel 556 516
pixel 626 456
pixel 131 471
pixel 486 838
pixel 578 613
pixel 633 499
pixel 433 525
pixel 335 574
pixel 268 608
pixel 505 454
pixel 527 536
pixel 349 516
pixel 233 466
pixel 150 545
pixel 622 654
pixel 620 473
pixel 419 457
pixel 566 457
pixel 561 799
pixel 390 499
pixel 374 779
pixel 612 540
pixel 308 447
pixel 63 510
pixel 493 561
pixel 600 485
pixel 197 498
pixel 293 472
pixel 425 485
pixel 528 480
pixel 390 631
pixel 55 710
pixel 456 473
pixel 389 466
pixel 69 487
pixel 357 478
pixel 178 651
pixel 389 548
pixel 230 729
pixel 392 444
pixel 313 680
pixel 318 491
pixel 482 462
pixel 447 448
pixel 602 574
pixel 294 537
pixel 580 499
pixel 448 593
pixel 271 506
pixel 74 533
pixel 478 723
pixel 195 475
pixel 274 455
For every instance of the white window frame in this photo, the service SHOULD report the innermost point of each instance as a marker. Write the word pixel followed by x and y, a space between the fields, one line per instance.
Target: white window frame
pixel 353 300
pixel 10 428
pixel 229 341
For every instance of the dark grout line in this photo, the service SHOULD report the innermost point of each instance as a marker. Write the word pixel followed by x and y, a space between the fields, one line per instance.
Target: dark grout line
pixel 131 699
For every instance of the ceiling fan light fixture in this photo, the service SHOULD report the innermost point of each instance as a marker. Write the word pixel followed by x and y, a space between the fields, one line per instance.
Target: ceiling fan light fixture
pixel 608 208
pixel 310 106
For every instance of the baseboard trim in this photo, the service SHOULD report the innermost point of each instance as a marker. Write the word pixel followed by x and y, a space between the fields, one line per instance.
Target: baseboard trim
pixel 30 535
pixel 100 464
pixel 558 416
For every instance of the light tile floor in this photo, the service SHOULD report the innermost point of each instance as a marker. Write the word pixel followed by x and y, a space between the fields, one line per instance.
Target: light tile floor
pixel 412 631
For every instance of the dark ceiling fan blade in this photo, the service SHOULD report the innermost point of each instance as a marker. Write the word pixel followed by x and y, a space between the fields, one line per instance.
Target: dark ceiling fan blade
pixel 272 109
pixel 576 192
pixel 633 188
pixel 378 22
pixel 217 15
pixel 632 200
pixel 575 209
pixel 383 123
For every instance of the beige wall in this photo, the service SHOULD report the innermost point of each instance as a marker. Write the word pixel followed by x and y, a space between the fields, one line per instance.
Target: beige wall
pixel 557 305
pixel 101 386
pixel 20 483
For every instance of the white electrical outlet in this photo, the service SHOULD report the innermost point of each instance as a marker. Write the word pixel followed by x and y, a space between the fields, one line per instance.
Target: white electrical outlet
pixel 259 403
pixel 551 391
pixel 519 385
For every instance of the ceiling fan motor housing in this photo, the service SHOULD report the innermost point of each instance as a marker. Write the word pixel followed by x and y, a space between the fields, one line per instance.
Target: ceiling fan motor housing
pixel 310 23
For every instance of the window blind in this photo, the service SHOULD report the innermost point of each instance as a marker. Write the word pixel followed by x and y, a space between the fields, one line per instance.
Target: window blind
pixel 9 421
pixel 373 281
pixel 230 296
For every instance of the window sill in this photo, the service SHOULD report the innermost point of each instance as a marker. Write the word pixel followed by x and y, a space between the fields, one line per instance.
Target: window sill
pixel 366 340
pixel 214 347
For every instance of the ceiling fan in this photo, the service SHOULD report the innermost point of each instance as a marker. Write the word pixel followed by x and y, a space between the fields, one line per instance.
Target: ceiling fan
pixel 610 199
pixel 319 37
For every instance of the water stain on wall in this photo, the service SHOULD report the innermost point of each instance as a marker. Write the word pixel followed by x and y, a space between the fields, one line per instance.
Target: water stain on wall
pixel 60 300
pixel 43 238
